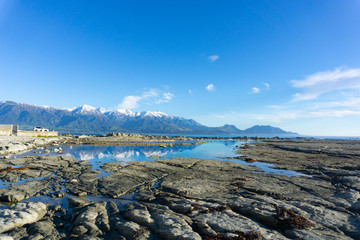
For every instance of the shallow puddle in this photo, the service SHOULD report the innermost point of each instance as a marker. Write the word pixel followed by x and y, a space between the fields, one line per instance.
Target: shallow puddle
pixel 223 150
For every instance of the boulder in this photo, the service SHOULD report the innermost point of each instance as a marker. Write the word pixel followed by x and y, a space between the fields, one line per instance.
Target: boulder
pixel 20 214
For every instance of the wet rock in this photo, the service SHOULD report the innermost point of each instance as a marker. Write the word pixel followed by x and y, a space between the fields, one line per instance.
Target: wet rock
pixel 129 229
pixel 351 181
pixel 59 194
pixel 229 223
pixel 20 214
pixel 20 192
pixel 77 202
pixel 334 220
pixel 135 176
pixel 112 167
pixel 287 219
pixel 171 225
pixel 81 194
pixel 145 195
pixel 6 237
pixel 91 220
pixel 43 230
pixel 162 221
pixel 74 181
pixel 319 234
pixel 138 213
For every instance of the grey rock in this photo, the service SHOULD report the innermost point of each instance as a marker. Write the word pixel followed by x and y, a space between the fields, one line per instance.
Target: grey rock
pixel 162 221
pixel 43 230
pixel 129 229
pixel 20 192
pixel 20 214
pixel 230 222
pixel 319 234
pixel 92 220
pixel 351 181
pixel 77 202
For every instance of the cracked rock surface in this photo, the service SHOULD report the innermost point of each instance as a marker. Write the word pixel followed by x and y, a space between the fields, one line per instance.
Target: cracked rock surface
pixel 186 198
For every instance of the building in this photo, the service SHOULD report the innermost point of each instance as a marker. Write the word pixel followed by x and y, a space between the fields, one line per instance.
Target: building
pixel 8 130
pixel 13 130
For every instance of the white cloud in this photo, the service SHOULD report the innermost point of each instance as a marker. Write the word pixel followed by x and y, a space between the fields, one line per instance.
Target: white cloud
pixel 274 106
pixel 210 87
pixel 258 90
pixel 323 82
pixel 129 102
pixel 275 117
pixel 213 58
pixel 340 104
pixel 352 102
pixel 150 97
pixel 166 97
pixel 190 92
pixel 255 90
pixel 335 113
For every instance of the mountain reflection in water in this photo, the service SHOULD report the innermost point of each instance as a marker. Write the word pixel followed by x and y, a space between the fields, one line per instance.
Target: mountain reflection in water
pixel 210 150
pixel 98 155
pixel 122 153
pixel 222 150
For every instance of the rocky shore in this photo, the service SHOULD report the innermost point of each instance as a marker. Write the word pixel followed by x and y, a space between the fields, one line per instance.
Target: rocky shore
pixel 185 198
pixel 13 144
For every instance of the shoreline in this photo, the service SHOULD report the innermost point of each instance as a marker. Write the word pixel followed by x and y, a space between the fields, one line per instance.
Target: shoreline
pixel 205 198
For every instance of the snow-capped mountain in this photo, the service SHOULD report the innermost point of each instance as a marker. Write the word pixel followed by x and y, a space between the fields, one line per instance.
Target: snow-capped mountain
pixel 86 118
pixel 88 110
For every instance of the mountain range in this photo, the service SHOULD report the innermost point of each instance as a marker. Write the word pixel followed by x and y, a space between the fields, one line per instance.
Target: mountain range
pixel 87 119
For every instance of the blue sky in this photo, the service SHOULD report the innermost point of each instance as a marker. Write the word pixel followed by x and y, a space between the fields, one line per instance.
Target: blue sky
pixel 290 64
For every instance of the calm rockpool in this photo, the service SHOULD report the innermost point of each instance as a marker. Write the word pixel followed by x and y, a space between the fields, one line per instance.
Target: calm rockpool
pixel 220 150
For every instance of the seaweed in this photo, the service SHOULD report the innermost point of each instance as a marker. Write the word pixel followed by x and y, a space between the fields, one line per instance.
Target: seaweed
pixel 240 236
pixel 287 219
pixel 140 233
pixel 11 169
pixel 216 209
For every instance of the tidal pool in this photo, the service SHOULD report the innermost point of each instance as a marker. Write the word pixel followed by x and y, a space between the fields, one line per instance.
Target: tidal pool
pixel 222 150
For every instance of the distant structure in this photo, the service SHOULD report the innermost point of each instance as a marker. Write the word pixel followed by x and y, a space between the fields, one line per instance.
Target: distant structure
pixel 8 130
pixel 13 130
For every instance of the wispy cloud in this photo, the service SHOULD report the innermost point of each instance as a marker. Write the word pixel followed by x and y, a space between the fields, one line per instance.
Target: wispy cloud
pixel 255 90
pixel 213 58
pixel 166 97
pixel 335 113
pixel 323 82
pixel 210 87
pixel 150 97
pixel 258 89
pixel 341 101
pixel 129 102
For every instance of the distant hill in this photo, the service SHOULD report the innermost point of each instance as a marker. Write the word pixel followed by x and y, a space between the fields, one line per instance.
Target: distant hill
pixel 261 129
pixel 87 119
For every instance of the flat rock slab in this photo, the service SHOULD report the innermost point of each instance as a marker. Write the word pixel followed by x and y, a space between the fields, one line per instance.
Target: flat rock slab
pixel 20 214
pixel 163 221
pixel 23 191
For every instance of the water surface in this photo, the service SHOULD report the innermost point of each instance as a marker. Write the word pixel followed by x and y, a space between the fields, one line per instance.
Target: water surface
pixel 222 150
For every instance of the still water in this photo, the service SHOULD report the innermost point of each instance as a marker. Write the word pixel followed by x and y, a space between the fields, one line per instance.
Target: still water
pixel 222 150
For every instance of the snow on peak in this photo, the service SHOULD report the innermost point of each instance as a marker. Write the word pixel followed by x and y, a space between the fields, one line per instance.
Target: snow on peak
pixel 125 112
pixel 102 110
pixel 85 109
pixel 155 114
